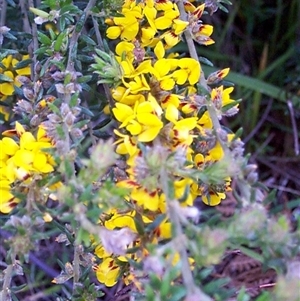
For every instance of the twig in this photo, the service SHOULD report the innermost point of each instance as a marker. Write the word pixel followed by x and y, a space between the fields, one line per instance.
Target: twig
pixel 34 47
pixel 202 81
pixel 76 267
pixel 26 23
pixel 260 123
pixel 187 276
pixel 265 143
pixel 75 36
pixel 3 12
pixel 285 189
pixel 98 34
pixel 294 126
pixel 5 293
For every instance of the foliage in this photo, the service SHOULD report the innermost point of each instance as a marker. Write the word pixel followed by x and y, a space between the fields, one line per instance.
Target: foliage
pixel 115 154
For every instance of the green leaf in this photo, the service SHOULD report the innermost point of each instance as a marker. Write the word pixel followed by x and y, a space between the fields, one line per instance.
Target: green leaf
pixel 158 220
pixel 41 50
pixel 44 39
pixel 54 108
pixel 23 64
pixel 139 224
pixel 205 61
pixel 243 296
pixel 69 9
pixel 88 40
pixel 251 253
pixel 85 58
pixel 5 79
pixel 265 296
pixel 106 57
pixel 59 41
pixel 231 105
pixel 11 3
pixel 8 35
pixel 177 293
pixel 86 111
pixel 80 23
pixel 84 79
pixel 165 286
pixel 185 195
pixel 39 12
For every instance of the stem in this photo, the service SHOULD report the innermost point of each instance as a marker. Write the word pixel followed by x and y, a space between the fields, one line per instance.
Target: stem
pixel 76 267
pixel 34 48
pixel 244 187
pixel 3 13
pixel 26 24
pixel 202 81
pixel 5 293
pixel 187 275
pixel 75 36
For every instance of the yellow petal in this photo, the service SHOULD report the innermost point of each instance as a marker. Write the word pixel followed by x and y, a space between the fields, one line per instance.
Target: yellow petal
pixel 172 113
pixel 122 111
pixel 134 127
pixel 213 199
pixel 162 23
pixel 149 134
pixel 113 32
pixel 8 146
pixel 7 89
pixel 149 119
pixel 40 163
pixel 159 50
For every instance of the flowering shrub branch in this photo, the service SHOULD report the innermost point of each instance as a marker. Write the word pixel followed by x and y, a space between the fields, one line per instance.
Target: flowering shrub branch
pixel 127 207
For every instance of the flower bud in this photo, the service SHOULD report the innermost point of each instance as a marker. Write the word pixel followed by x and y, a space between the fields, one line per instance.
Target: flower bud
pixel 69 119
pixel 64 109
pixel 53 118
pixel 28 93
pixel 35 120
pixel 77 133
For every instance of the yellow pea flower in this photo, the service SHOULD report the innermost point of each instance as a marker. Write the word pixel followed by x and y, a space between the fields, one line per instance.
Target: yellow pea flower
pixel 108 272
pixel 189 71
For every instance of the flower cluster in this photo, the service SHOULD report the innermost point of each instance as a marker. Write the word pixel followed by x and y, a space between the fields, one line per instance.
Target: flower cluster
pixel 10 72
pixel 164 126
pixel 22 157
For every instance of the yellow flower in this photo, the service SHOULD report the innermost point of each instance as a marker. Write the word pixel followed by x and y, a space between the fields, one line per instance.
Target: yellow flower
pixel 7 88
pixel 108 272
pixel 121 220
pixel 126 144
pixel 20 159
pixel 149 200
pixel 189 71
pixel 123 95
pixel 7 200
pixel 125 48
pixel 180 187
pixel 141 121
pixel 126 27
pixel 137 84
pixel 22 71
pixel 213 198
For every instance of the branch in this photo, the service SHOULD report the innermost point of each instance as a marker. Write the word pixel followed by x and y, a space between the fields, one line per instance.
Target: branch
pixel 202 81
pixel 35 46
pixel 3 13
pixel 75 36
